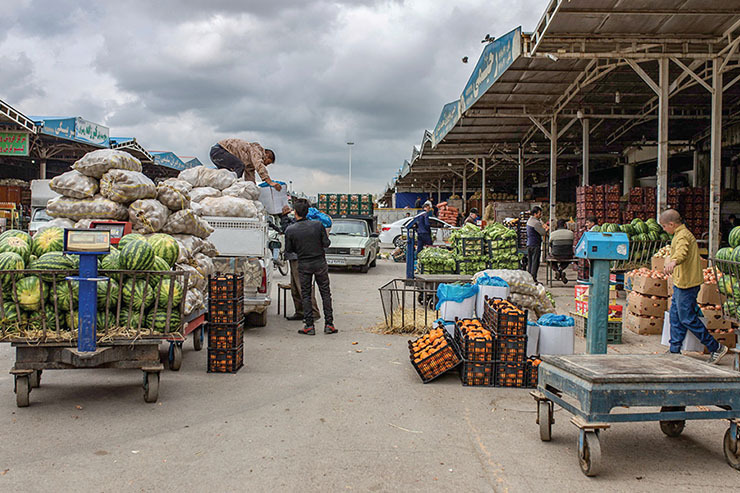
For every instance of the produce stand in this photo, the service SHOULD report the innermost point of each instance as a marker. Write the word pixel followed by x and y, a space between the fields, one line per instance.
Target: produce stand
pixel 589 386
pixel 640 253
pixel 727 273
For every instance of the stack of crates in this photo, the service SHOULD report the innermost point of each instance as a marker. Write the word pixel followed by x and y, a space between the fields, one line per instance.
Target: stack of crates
pixel 225 323
pixel 508 323
pixel 345 204
pixel 475 343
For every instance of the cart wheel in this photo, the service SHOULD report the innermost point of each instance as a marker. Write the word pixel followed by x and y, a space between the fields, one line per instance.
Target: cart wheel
pixel 36 379
pixel 22 390
pixel 198 339
pixel 672 428
pixel 589 456
pixel 730 448
pixel 175 356
pixel 545 419
pixel 151 387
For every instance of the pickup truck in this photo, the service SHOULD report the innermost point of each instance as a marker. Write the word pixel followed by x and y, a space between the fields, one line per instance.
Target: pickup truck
pixel 353 243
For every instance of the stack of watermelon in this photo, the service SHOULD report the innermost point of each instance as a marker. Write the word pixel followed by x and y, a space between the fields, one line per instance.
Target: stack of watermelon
pixel 728 280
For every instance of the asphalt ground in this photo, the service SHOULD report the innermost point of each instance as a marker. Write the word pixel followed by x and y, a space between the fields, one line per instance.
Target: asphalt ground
pixel 342 412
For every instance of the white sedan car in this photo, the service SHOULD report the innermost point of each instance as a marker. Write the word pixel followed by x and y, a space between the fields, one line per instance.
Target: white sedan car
pixel 391 233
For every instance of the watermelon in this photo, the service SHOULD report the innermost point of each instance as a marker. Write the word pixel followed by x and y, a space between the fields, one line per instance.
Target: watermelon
pixel 641 228
pixel 18 234
pixel 16 245
pixel 605 227
pixel 36 320
pixel 105 298
pixel 165 247
pixel 627 229
pixel 111 319
pixel 724 254
pixel 613 228
pixel 67 295
pixel 48 240
pixel 734 237
pixel 111 261
pixel 730 308
pixel 159 265
pixel 653 236
pixel 133 294
pixel 73 319
pixel 634 222
pixel 137 255
pixel 52 261
pixel 11 314
pixel 10 261
pixel 727 285
pixel 162 291
pixel 654 227
pixel 128 319
pixel 157 321
pixel 665 237
pixel 129 238
pixel 596 229
pixel 29 291
pixel 75 261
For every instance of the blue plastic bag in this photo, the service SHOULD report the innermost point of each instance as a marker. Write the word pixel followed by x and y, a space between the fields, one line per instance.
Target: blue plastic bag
pixel 552 320
pixel 264 184
pixel 316 215
pixel 486 280
pixel 455 292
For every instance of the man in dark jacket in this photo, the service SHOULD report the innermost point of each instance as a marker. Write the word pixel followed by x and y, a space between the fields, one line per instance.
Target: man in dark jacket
pixel 309 241
pixel 535 232
pixel 423 228
pixel 295 279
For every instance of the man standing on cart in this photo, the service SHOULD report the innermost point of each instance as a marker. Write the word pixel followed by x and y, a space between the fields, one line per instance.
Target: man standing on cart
pixel 685 267
pixel 244 158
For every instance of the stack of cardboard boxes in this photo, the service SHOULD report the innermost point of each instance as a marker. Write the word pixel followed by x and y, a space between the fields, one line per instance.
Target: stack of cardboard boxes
pixel 710 304
pixel 646 305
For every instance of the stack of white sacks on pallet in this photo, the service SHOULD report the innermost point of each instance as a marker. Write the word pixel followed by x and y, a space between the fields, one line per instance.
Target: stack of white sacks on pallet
pixel 108 184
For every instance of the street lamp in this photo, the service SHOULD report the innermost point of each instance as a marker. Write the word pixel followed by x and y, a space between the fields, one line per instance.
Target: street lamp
pixel 349 145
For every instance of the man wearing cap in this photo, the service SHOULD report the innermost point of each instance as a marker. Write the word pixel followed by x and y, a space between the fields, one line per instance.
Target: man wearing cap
pixel 244 158
pixel 472 217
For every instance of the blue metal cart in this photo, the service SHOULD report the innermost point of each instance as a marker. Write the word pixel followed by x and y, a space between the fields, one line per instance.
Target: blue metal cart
pixel 590 386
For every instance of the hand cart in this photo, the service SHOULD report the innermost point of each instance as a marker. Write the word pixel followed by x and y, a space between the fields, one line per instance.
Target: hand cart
pixel 194 324
pixel 589 386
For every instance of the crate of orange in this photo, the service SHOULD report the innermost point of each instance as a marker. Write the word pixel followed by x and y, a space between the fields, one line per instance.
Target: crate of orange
pixel 433 354
pixel 477 374
pixel 474 341
pixel 532 367
pixel 511 375
pixel 225 360
pixel 225 336
pixel 225 286
pixel 504 318
pixel 510 349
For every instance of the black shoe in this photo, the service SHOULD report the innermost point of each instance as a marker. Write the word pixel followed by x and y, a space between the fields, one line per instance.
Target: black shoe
pixel 330 329
pixel 563 278
pixel 307 331
pixel 296 316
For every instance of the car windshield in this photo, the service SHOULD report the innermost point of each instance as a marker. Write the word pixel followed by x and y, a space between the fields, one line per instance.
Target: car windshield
pixel 349 228
pixel 41 215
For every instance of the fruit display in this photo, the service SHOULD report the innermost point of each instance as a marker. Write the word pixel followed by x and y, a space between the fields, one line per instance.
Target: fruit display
pixel 433 354
pixel 475 341
pixel 709 277
pixel 645 272
pixel 664 252
pixel 504 318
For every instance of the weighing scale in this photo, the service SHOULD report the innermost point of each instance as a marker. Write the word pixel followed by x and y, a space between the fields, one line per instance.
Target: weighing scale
pixel 118 229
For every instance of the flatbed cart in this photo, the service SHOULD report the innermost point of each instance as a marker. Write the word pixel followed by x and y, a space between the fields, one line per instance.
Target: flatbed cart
pixel 589 386
pixel 194 324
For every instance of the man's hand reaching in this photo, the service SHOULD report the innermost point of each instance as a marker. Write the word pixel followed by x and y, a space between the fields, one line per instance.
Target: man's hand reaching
pixel 276 185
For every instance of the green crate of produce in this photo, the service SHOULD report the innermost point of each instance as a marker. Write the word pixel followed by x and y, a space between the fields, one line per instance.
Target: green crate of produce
pixel 613 329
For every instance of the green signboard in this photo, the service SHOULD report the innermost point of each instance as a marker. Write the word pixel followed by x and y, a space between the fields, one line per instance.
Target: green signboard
pixel 13 143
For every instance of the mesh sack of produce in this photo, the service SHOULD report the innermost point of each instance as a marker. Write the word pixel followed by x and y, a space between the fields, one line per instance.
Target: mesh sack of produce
pixel 74 184
pixel 205 264
pixel 228 206
pixel 195 279
pixel 201 176
pixel 147 215
pixel 186 222
pixel 126 186
pixel 244 190
pixel 197 209
pixel 189 245
pixel 519 281
pixel 60 222
pixel 97 163
pixel 209 248
pixel 84 223
pixel 97 207
pixel 194 301
pixel 199 193
pixel 174 193
pixel 249 267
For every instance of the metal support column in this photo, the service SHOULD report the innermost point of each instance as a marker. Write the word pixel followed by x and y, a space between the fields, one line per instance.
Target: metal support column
pixel 553 169
pixel 695 169
pixel 483 189
pixel 715 158
pixel 628 175
pixel 465 190
pixel 586 150
pixel 520 181
pixel 42 169
pixel 439 190
pixel 662 171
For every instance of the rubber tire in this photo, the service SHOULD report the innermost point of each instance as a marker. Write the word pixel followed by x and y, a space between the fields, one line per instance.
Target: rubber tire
pixel 36 379
pixel 374 262
pixel 397 241
pixel 151 387
pixel 365 268
pixel 198 338
pixel 545 417
pixel 22 391
pixel 175 361
pixel 255 319
pixel 731 456
pixel 590 459
pixel 672 429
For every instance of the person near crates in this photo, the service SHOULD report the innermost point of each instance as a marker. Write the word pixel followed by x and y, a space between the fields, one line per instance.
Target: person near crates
pixel 472 217
pixel 535 232
pixel 685 267
pixel 591 223
pixel 244 158
pixel 295 279
pixel 308 240
pixel 561 247
pixel 423 227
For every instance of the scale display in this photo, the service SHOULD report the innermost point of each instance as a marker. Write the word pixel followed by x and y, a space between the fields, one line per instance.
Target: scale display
pixel 117 229
pixel 86 240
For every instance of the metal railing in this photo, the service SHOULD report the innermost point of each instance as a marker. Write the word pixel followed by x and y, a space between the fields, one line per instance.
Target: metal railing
pixel 727 273
pixel 408 305
pixel 640 253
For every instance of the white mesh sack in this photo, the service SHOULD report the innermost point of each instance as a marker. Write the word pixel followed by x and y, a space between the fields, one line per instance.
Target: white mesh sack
pixel 127 186
pixel 205 264
pixel 174 193
pixel 189 244
pixel 60 222
pixel 243 189
pixel 194 301
pixel 209 249
pixel 96 163
pixel 186 222
pixel 148 215
pixel 195 279
pixel 228 206
pixel 199 193
pixel 201 176
pixel 97 207
pixel 74 184
pixel 84 223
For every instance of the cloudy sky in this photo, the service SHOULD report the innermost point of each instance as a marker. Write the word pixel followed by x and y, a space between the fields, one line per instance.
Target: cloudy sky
pixel 299 76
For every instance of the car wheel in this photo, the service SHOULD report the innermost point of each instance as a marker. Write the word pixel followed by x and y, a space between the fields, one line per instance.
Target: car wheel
pixel 397 241
pixel 365 268
pixel 374 262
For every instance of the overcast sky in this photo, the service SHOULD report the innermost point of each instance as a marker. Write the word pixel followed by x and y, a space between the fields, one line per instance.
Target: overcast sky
pixel 299 76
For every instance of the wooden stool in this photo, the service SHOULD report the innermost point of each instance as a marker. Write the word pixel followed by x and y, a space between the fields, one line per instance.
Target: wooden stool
pixel 284 289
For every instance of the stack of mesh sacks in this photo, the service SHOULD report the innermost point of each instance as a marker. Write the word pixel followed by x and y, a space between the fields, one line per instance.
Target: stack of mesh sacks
pixel 524 292
pixel 108 184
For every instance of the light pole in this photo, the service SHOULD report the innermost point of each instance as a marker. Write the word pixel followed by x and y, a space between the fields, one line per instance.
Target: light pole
pixel 350 144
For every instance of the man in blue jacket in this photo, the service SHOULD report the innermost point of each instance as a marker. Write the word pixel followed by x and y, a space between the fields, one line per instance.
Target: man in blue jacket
pixel 423 228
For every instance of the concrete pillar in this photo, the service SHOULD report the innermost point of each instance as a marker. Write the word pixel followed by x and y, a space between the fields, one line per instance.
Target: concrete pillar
pixel 465 190
pixel 695 169
pixel 42 169
pixel 439 190
pixel 553 169
pixel 715 153
pixel 629 178
pixel 520 177
pixel 662 172
pixel 483 188
pixel 586 150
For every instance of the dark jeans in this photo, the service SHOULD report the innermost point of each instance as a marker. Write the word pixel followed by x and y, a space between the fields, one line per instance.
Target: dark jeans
pixel 295 291
pixel 318 269
pixel 223 159
pixel 423 239
pixel 685 317
pixel 533 259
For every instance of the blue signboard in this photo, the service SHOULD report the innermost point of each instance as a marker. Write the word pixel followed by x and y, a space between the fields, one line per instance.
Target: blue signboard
pixel 167 159
pixel 447 120
pixel 91 133
pixel 495 59
pixel 73 128
pixel 64 128
pixel 192 162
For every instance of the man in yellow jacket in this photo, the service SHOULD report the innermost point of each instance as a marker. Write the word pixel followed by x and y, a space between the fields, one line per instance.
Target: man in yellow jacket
pixel 685 267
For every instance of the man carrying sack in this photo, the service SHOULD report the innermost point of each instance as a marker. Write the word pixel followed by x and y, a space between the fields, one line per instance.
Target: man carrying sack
pixel 244 158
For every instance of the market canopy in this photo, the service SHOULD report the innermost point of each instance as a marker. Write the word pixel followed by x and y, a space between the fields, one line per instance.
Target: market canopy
pixel 130 145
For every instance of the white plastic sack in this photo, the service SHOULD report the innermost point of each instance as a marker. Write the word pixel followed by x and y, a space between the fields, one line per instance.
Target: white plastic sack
pixel 186 222
pixel 189 244
pixel 61 222
pixel 147 215
pixel 205 264
pixel 195 279
pixel 244 190
pixel 126 186
pixel 197 209
pixel 97 207
pixel 96 163
pixel 228 206
pixel 83 223
pixel 201 176
pixel 200 193
pixel 74 184
pixel 174 193
pixel 194 301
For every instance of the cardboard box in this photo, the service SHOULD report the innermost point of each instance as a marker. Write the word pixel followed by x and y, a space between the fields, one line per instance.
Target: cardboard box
pixel 728 340
pixel 650 286
pixel 646 306
pixel 703 262
pixel 657 263
pixel 582 290
pixel 642 325
pixel 708 295
pixel 714 320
